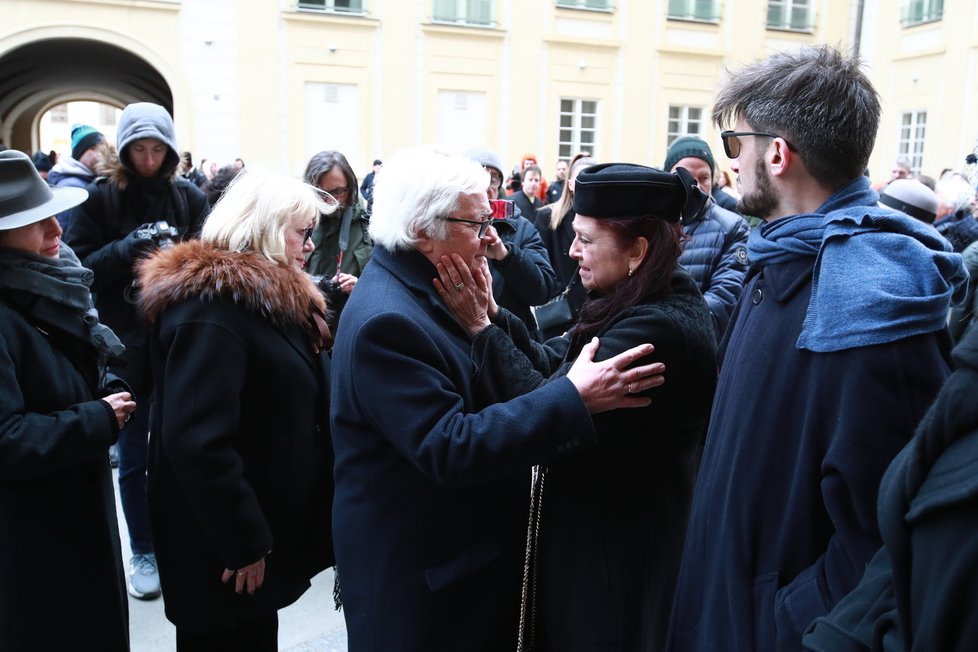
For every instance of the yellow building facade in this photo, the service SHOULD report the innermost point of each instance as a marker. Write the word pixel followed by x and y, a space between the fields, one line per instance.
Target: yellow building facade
pixel 274 81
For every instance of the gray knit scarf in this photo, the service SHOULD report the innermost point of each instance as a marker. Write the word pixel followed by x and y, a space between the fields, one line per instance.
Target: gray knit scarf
pixel 63 281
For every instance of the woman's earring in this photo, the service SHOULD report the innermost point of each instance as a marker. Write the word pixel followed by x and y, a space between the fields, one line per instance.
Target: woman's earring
pixel 630 272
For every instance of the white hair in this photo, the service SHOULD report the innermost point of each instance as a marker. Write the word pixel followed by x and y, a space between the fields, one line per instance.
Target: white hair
pixel 414 189
pixel 257 208
pixel 955 192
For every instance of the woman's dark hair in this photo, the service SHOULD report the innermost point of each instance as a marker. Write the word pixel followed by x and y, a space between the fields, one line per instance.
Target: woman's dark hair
pixel 650 279
pixel 322 163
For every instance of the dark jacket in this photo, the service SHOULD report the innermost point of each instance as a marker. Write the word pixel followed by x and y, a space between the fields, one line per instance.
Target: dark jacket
pixel 326 238
pixel 62 584
pixel 783 520
pixel 431 484
pixel 240 456
pixel 964 316
pixel 116 206
pixel 555 190
pixel 960 228
pixel 614 517
pixel 716 256
pixel 524 278
pixel 528 205
pixel 919 592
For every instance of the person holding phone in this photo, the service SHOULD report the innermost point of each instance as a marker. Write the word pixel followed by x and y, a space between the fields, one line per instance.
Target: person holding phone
pixel 521 272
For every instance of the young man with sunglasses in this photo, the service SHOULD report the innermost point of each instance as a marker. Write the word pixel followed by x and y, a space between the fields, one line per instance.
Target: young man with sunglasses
pixel 835 350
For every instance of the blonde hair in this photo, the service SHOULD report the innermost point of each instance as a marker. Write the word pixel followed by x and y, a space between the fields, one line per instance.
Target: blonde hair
pixel 257 208
pixel 562 205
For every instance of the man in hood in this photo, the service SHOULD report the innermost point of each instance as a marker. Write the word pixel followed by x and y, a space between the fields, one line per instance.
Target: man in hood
pixel 142 204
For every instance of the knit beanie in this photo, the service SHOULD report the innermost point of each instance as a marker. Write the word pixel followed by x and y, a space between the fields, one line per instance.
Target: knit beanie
pixel 486 158
pixel 688 146
pixel 83 137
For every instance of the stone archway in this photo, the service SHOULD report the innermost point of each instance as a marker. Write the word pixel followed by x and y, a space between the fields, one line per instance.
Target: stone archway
pixel 39 74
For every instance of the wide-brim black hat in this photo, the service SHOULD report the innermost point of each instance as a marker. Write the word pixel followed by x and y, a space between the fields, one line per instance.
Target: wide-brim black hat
pixel 25 198
pixel 626 190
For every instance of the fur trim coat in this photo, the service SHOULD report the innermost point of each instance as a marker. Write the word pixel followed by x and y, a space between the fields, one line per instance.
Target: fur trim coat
pixel 240 455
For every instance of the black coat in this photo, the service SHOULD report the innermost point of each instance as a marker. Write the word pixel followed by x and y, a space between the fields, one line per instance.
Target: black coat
pixel 115 207
pixel 431 484
pixel 558 244
pixel 919 592
pixel 528 205
pixel 614 517
pixel 783 520
pixel 62 584
pixel 240 456
pixel 524 278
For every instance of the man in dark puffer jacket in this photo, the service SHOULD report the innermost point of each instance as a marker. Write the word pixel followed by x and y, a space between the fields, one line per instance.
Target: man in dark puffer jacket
pixel 716 253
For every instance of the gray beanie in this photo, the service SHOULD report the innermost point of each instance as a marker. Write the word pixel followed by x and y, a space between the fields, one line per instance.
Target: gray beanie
pixel 486 158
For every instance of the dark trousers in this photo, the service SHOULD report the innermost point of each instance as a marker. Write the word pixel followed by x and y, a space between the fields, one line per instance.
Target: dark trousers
pixel 256 635
pixel 133 450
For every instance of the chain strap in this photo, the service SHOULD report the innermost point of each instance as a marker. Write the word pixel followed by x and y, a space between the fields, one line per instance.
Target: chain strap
pixel 528 602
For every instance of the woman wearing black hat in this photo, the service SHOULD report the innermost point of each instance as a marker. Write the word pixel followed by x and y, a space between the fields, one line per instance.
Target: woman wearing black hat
pixel 607 523
pixel 62 585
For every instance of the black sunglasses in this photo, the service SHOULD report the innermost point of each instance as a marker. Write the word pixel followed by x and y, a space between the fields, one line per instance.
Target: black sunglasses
pixel 483 225
pixel 731 141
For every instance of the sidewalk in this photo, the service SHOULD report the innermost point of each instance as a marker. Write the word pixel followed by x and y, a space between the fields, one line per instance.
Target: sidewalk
pixel 309 625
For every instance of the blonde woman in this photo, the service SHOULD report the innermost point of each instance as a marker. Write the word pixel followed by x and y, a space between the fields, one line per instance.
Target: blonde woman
pixel 240 481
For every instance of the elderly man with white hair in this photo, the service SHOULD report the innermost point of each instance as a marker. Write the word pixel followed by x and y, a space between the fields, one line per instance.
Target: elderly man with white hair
pixel 432 477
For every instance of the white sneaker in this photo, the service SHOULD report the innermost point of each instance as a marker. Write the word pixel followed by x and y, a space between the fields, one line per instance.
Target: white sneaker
pixel 144 578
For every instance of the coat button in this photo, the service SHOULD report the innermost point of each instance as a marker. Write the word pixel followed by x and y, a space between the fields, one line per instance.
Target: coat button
pixel 757 296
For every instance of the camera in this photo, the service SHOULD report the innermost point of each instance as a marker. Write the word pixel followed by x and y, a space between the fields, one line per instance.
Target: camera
pixel 502 209
pixel 160 232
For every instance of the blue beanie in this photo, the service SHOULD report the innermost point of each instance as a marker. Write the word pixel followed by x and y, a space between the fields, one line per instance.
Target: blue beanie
pixel 83 137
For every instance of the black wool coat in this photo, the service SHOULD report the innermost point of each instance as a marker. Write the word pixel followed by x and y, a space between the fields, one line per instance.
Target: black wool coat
pixel 431 481
pixel 240 458
pixel 62 584
pixel 919 592
pixel 614 516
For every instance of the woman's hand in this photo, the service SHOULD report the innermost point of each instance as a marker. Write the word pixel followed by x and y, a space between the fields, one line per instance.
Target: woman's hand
pixel 610 385
pixel 467 295
pixel 346 281
pixel 122 406
pixel 249 577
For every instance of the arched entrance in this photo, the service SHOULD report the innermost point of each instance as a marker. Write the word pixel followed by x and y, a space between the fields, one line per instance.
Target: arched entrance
pixel 39 74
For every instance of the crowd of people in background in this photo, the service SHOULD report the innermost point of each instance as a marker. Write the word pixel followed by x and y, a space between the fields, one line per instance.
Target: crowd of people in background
pixel 632 407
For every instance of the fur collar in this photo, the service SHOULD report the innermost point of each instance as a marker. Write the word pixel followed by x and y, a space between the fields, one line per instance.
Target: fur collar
pixel 196 269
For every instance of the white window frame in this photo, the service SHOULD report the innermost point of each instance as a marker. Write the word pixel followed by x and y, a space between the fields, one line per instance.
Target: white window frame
pixel 691 10
pixel 927 11
pixel 788 8
pixel 605 5
pixel 679 114
pixel 460 13
pixel 913 135
pixel 329 6
pixel 568 147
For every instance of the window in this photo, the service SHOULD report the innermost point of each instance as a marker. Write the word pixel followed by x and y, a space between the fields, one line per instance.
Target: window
pixel 334 6
pixel 466 12
pixel 578 126
pixel 793 15
pixel 602 5
pixel 59 114
pixel 913 127
pixel 684 121
pixel 916 12
pixel 704 10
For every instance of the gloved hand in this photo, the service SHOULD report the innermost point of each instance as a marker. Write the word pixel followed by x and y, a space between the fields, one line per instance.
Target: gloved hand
pixel 135 245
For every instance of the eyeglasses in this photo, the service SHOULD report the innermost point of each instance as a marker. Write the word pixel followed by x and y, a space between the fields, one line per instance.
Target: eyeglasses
pixel 483 225
pixel 494 175
pixel 336 192
pixel 731 141
pixel 306 234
